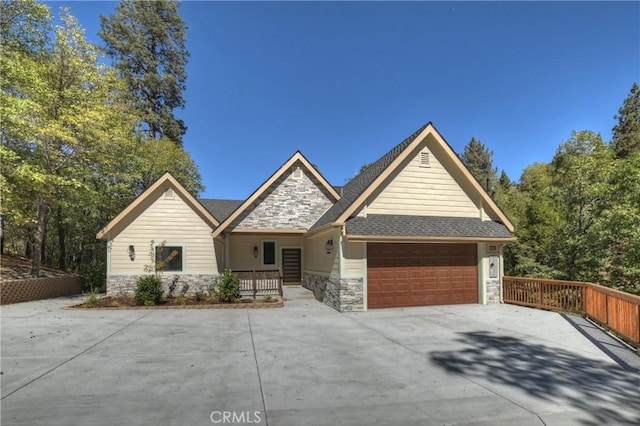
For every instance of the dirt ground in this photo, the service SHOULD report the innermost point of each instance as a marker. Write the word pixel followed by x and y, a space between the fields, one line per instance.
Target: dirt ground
pixel 18 268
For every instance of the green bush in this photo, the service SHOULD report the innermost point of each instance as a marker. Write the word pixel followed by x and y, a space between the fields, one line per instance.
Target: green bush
pixel 92 300
pixel 148 291
pixel 94 277
pixel 228 287
pixel 199 295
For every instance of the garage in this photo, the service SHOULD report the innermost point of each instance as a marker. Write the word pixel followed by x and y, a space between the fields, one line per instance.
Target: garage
pixel 405 274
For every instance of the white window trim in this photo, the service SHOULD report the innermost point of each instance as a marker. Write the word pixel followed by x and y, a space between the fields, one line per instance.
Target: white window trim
pixel 184 257
pixel 275 254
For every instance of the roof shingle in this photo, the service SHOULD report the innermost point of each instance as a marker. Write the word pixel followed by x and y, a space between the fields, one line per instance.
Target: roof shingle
pixel 425 226
pixel 220 209
pixel 356 186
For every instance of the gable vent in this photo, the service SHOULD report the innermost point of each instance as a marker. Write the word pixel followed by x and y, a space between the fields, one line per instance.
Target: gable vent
pixel 297 173
pixel 424 159
pixel 168 193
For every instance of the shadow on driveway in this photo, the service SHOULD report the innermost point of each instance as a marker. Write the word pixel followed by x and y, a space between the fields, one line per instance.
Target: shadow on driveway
pixel 608 393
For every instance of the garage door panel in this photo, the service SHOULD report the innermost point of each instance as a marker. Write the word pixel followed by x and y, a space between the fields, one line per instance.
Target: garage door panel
pixel 421 274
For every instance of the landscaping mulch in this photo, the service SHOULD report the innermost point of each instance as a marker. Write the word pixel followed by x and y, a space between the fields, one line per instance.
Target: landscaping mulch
pixel 115 303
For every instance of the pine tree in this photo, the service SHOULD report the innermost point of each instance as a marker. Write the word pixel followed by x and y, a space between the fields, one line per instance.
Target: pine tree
pixel 479 160
pixel 146 40
pixel 626 134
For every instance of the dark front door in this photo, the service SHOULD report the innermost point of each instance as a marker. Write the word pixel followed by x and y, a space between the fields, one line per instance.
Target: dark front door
pixel 291 266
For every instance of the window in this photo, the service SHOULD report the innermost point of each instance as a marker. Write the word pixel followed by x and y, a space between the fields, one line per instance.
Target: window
pixel 269 253
pixel 424 159
pixel 169 258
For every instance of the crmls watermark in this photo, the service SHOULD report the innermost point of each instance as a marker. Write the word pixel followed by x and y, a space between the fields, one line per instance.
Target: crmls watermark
pixel 231 417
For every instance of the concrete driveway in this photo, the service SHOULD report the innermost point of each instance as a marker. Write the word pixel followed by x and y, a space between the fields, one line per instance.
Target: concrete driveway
pixel 306 364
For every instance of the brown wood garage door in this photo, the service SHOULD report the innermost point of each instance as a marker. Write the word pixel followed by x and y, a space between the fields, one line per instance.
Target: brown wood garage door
pixel 421 274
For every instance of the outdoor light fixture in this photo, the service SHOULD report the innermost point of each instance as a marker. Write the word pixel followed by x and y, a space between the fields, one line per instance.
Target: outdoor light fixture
pixel 132 252
pixel 255 251
pixel 328 247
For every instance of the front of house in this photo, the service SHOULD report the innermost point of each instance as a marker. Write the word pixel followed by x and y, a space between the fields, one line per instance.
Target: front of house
pixel 413 229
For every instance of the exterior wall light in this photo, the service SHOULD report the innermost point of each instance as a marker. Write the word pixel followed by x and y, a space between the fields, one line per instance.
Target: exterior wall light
pixel 328 247
pixel 255 251
pixel 132 252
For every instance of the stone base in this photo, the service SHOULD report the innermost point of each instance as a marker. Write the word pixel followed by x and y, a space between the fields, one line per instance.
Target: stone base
pixel 342 294
pixel 493 291
pixel 126 284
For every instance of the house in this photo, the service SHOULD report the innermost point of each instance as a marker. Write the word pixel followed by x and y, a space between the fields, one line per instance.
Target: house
pixel 414 228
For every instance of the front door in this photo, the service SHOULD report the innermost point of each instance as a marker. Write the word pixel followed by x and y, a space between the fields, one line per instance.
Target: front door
pixel 291 266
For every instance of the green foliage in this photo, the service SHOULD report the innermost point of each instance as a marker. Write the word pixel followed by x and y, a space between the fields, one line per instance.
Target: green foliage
pixel 148 291
pixel 146 40
pixel 268 298
pixel 92 300
pixel 626 133
pixel 479 160
pixel 199 295
pixel 94 277
pixel 228 287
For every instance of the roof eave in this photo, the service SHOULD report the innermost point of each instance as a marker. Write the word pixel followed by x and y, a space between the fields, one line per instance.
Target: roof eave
pixel 426 239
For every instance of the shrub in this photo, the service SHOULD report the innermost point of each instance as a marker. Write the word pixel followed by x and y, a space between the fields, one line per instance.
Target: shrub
pixel 94 277
pixel 199 295
pixel 92 300
pixel 148 291
pixel 228 288
pixel 268 298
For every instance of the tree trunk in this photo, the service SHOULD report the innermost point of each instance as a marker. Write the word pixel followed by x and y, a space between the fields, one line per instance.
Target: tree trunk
pixel 62 250
pixel 41 210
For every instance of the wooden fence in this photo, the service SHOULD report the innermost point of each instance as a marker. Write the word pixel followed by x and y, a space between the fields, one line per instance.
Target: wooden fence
pixel 614 309
pixel 260 283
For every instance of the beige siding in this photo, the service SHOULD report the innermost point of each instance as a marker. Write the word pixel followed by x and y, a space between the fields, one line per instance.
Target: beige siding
pixel 241 250
pixel 315 257
pixel 429 191
pixel 164 219
pixel 354 264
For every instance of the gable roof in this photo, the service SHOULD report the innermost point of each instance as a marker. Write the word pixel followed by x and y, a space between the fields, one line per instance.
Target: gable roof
pixel 220 209
pixel 426 227
pixel 165 179
pixel 270 181
pixel 358 189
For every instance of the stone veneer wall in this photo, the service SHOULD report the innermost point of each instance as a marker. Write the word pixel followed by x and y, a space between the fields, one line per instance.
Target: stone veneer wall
pixel 342 294
pixel 492 287
pixel 289 204
pixel 126 284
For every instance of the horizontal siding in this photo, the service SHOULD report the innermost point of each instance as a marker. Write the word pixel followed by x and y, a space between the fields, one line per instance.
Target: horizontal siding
pixel 315 257
pixel 429 191
pixel 241 250
pixel 170 220
pixel 353 260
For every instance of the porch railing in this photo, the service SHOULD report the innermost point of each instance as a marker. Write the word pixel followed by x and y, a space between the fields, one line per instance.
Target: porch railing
pixel 260 282
pixel 614 309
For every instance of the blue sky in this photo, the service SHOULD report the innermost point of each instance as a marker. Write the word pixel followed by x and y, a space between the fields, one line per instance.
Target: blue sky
pixel 343 82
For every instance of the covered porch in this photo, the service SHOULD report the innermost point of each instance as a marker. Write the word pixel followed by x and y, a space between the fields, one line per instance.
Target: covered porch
pixel 262 258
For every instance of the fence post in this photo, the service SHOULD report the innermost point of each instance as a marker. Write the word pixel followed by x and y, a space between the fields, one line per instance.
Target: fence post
pixel 253 282
pixel 540 294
